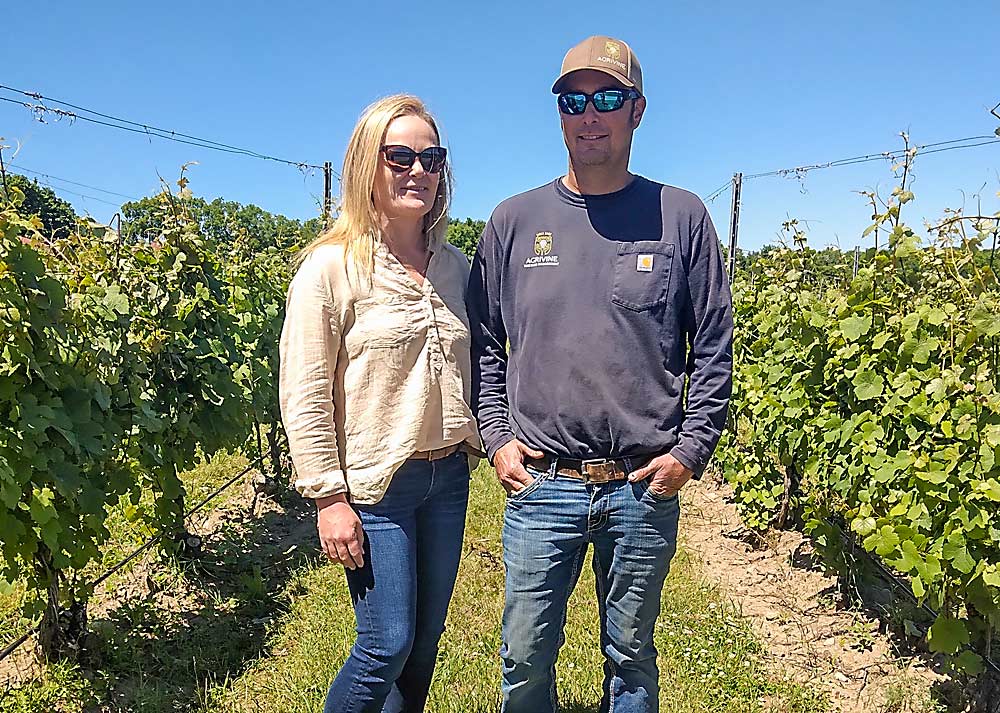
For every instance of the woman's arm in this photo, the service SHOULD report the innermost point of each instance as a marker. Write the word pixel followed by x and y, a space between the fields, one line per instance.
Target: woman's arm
pixel 310 342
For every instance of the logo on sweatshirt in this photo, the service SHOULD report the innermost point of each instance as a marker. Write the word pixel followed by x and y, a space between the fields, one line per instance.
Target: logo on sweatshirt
pixel 543 252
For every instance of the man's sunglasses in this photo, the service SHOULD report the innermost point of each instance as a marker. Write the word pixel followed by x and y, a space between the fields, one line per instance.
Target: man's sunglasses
pixel 401 158
pixel 605 100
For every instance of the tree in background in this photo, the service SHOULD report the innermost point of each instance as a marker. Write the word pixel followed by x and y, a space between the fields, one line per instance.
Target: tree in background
pixel 222 222
pixel 464 235
pixel 57 216
pixel 226 222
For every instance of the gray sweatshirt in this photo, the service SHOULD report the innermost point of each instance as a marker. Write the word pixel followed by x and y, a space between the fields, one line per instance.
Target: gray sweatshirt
pixel 611 305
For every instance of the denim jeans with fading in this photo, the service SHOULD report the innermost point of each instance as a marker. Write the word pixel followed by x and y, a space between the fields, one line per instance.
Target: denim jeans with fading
pixel 548 527
pixel 413 544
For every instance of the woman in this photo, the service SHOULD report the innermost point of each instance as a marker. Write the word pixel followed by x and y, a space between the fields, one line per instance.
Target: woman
pixel 375 382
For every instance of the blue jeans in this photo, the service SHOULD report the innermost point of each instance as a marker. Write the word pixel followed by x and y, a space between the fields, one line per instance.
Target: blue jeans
pixel 548 527
pixel 413 544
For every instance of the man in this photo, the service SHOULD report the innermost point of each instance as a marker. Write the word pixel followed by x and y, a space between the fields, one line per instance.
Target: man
pixel 611 293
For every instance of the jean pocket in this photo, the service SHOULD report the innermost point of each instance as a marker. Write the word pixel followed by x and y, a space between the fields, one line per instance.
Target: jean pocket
pixel 527 490
pixel 642 274
pixel 659 498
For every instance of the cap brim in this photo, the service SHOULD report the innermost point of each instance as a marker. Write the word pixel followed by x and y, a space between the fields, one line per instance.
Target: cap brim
pixel 625 81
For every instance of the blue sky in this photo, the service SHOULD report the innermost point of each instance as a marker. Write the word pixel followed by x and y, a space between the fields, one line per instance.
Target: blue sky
pixel 731 87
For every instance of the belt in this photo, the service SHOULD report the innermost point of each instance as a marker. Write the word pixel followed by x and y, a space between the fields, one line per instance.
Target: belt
pixel 591 470
pixel 437 453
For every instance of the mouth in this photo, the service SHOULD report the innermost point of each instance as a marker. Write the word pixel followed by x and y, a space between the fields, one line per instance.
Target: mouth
pixel 414 189
pixel 591 137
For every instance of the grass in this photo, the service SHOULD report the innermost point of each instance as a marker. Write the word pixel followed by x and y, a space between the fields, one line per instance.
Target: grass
pixel 61 689
pixel 128 529
pixel 11 602
pixel 122 624
pixel 908 694
pixel 710 659
pixel 237 632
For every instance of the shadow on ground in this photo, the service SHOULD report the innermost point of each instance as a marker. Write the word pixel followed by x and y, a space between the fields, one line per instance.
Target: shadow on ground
pixel 199 622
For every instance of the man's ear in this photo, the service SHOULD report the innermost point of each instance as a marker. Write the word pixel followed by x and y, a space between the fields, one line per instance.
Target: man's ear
pixel 637 111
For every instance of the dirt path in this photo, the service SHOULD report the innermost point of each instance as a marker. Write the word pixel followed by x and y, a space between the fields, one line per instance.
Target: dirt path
pixel 794 607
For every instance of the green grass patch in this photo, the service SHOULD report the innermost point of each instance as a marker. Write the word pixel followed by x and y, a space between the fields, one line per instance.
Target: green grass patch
pixel 62 689
pixel 709 660
pixel 234 633
pixel 128 529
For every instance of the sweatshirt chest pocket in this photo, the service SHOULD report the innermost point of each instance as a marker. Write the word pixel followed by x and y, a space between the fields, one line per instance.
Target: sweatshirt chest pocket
pixel 642 274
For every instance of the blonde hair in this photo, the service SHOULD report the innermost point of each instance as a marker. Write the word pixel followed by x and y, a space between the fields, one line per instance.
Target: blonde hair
pixel 357 226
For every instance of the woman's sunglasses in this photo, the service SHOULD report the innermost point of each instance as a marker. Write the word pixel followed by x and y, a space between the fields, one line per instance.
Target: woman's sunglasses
pixel 575 103
pixel 401 158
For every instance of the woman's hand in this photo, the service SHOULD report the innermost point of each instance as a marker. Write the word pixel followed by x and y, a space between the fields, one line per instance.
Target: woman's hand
pixel 340 531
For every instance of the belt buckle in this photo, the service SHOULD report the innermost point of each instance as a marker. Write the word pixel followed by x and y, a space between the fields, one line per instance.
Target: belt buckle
pixel 603 476
pixel 439 453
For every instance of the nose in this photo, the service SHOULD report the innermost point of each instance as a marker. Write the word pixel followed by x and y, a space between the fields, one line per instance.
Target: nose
pixel 590 114
pixel 417 169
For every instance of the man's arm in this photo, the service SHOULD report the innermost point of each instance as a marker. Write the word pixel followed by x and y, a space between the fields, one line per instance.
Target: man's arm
pixel 708 322
pixel 489 343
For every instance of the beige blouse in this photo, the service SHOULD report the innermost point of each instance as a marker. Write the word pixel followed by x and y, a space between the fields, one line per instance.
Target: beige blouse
pixel 370 376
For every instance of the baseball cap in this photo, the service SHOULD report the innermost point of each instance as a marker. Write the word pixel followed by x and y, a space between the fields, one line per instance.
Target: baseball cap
pixel 604 54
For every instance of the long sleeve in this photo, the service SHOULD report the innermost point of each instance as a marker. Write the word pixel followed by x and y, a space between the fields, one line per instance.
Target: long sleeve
pixel 310 341
pixel 489 344
pixel 708 322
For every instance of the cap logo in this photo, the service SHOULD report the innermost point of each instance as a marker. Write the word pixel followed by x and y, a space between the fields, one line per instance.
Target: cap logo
pixel 613 56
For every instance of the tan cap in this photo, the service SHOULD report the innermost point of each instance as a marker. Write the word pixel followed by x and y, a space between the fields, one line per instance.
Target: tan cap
pixel 604 54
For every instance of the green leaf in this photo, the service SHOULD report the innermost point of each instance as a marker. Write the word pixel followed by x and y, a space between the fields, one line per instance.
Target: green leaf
pixel 878 342
pixel 868 385
pixel 924 347
pixel 853 328
pixel 115 301
pixel 932 568
pixel 884 541
pixel 958 553
pixel 911 559
pixel 947 635
pixel 991 489
pixel 41 506
pixel 970 662
pixel 10 494
pixel 984 320
pixel 936 317
pixel 863 526
pixel 50 532
pixel 992 577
